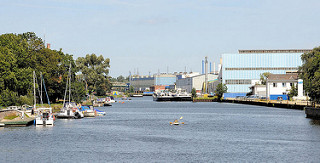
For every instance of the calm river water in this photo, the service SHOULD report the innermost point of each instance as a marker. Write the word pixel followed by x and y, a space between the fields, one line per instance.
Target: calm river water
pixel 139 131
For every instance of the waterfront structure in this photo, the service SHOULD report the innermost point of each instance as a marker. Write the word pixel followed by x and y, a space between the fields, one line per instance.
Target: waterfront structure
pixel 212 84
pixel 278 86
pixel 259 90
pixel 119 86
pixel 164 79
pixel 155 82
pixel 141 83
pixel 241 70
pixel 197 82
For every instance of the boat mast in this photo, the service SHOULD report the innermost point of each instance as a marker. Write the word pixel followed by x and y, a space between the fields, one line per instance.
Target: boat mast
pixel 41 89
pixel 70 83
pixel 34 89
pixel 65 93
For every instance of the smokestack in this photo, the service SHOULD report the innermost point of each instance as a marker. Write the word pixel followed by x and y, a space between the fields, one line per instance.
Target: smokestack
pixel 202 66
pixel 206 75
pixel 48 46
pixel 220 65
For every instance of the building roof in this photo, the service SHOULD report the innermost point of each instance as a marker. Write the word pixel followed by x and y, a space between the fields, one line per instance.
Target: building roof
pixel 283 77
pixel 276 51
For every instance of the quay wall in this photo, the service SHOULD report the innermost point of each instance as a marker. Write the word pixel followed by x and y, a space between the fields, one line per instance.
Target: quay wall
pixel 268 103
pixel 313 113
pixel 203 100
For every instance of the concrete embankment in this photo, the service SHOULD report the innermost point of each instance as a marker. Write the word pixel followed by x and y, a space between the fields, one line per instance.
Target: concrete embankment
pixel 279 104
pixel 313 113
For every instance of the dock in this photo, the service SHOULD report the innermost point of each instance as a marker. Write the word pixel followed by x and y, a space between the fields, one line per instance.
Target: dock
pixel 18 119
pixel 18 123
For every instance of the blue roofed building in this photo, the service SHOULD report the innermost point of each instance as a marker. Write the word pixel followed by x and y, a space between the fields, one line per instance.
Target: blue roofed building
pixel 242 70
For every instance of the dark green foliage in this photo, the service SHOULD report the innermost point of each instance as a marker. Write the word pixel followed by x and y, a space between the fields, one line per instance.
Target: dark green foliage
pixel 311 73
pixel 20 55
pixel 194 92
pixel 293 91
pixel 131 89
pixel 95 72
pixel 263 77
pixel 25 100
pixel 78 91
pixel 220 90
pixel 8 98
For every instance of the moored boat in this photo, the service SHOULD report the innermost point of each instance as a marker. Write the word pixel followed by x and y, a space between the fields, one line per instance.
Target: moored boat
pixel 107 103
pixel 88 111
pixel 70 109
pixel 178 95
pixel 100 113
pixel 45 116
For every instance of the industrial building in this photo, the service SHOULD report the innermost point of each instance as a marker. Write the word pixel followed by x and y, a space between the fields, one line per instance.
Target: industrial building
pixel 242 70
pixel 155 82
pixel 195 81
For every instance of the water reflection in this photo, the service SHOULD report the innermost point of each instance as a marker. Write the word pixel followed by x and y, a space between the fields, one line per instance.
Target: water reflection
pixel 42 127
pixel 315 122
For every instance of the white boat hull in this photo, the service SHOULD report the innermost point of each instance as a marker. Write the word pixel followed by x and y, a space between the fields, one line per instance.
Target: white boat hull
pixel 66 114
pixel 89 114
pixel 44 122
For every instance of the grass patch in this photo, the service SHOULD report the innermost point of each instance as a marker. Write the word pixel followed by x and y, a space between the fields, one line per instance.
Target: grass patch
pixel 26 115
pixel 11 117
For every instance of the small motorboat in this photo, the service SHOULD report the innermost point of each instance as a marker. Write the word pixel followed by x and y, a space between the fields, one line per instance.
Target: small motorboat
pixel 100 113
pixel 87 110
pixel 45 117
pixel 176 122
pixel 107 104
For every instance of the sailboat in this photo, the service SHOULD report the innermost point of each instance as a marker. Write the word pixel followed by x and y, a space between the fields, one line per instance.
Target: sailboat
pixel 45 116
pixel 70 109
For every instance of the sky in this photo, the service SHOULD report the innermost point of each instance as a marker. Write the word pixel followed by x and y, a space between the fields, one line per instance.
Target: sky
pixel 148 36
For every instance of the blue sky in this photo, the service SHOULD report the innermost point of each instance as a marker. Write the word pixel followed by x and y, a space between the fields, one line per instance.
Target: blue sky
pixel 151 35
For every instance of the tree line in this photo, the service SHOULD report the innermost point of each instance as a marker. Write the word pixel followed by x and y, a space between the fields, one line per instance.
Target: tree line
pixel 21 54
pixel 310 73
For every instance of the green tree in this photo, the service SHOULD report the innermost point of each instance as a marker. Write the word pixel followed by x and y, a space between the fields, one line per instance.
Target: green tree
pixel 194 92
pixel 293 91
pixel 78 91
pixel 9 98
pixel 263 77
pixel 220 90
pixel 95 72
pixel 120 78
pixel 20 55
pixel 131 89
pixel 311 73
